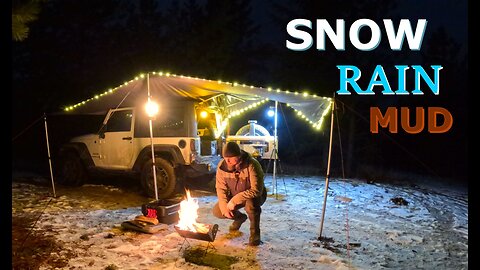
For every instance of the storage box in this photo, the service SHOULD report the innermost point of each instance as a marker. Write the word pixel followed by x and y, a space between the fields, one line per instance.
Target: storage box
pixel 166 211
pixel 169 219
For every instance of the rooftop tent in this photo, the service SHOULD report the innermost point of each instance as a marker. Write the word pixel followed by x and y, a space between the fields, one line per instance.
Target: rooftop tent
pixel 231 98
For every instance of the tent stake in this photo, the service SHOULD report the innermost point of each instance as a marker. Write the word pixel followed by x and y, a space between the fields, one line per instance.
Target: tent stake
pixel 48 152
pixel 328 169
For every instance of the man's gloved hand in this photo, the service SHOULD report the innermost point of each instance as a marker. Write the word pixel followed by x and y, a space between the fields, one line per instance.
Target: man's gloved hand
pixel 228 214
pixel 231 206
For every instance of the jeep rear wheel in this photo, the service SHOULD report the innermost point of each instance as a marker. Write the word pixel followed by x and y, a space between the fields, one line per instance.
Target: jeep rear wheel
pixel 166 179
pixel 71 170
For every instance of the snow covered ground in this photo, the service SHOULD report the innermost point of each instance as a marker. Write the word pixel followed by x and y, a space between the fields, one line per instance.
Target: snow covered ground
pixel 366 229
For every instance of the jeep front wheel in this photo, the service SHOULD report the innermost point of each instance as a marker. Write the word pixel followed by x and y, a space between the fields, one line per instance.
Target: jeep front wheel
pixel 166 179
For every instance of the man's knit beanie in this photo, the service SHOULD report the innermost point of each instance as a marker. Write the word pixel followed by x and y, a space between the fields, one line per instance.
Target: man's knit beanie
pixel 231 149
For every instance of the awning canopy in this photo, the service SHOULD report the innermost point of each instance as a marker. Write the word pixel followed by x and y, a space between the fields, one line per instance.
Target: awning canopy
pixel 229 98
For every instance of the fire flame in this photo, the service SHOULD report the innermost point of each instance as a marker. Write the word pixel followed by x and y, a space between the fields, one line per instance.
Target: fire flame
pixel 188 216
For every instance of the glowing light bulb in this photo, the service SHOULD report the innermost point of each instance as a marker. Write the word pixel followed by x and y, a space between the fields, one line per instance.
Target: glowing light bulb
pixel 270 112
pixel 151 108
pixel 203 114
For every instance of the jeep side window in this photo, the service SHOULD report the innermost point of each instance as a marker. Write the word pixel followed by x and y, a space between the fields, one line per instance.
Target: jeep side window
pixel 119 121
pixel 169 123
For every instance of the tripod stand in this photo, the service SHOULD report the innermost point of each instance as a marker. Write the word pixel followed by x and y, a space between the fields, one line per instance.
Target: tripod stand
pixel 274 156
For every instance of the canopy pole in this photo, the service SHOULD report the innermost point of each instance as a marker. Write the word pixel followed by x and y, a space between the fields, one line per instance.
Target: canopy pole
pixel 49 157
pixel 151 142
pixel 275 151
pixel 328 169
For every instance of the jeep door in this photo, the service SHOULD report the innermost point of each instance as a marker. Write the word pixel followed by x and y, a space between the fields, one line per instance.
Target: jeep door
pixel 117 144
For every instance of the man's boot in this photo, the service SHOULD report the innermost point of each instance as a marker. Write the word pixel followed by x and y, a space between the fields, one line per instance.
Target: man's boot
pixel 239 220
pixel 254 239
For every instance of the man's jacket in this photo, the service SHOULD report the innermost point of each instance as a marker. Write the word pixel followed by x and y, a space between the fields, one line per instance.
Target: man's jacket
pixel 239 184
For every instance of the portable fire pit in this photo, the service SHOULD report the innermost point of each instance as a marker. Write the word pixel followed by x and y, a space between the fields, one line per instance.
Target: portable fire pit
pixel 208 236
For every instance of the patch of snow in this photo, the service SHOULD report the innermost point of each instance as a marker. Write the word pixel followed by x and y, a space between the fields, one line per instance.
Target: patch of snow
pixel 368 231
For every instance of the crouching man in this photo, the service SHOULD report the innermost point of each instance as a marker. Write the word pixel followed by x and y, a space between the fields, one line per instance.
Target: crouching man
pixel 239 184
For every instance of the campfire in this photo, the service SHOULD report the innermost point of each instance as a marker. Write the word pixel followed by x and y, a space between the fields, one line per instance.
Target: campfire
pixel 188 227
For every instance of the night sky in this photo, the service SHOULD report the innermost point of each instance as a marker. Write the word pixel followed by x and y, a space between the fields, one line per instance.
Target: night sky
pixel 76 49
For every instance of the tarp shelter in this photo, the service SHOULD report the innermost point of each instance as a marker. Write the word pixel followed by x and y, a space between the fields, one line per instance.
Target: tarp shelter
pixel 230 98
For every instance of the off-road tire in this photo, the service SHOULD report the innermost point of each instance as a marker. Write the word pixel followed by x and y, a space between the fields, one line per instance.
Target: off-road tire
pixel 166 179
pixel 71 171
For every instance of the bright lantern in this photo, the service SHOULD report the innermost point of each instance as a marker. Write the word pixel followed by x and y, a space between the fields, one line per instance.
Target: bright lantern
pixel 152 108
pixel 203 114
pixel 270 112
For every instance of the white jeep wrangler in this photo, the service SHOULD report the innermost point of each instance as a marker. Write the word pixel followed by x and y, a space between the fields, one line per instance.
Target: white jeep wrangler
pixel 123 145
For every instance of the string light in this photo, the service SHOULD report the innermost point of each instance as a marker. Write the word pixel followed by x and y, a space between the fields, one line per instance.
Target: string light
pixel 317 125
